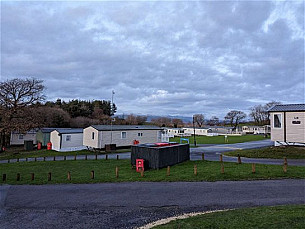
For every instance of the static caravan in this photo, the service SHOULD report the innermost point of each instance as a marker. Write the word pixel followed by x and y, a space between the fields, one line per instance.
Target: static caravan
pixel 165 137
pixel 288 124
pixel 254 129
pixel 43 135
pixel 97 136
pixel 176 132
pixel 198 131
pixel 18 138
pixel 67 139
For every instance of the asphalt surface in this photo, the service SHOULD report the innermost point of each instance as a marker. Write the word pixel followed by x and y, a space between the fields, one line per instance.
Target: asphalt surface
pixel 211 152
pixel 128 205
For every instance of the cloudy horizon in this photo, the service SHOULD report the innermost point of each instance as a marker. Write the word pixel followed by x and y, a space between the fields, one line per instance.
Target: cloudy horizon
pixel 160 58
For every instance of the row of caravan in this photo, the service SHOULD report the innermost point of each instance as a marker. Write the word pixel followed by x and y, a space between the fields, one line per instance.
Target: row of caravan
pixel 95 136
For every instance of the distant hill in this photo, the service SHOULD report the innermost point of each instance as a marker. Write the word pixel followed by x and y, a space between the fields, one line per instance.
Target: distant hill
pixel 183 118
pixel 150 117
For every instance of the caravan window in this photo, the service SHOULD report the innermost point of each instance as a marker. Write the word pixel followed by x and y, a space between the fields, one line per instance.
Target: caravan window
pixel 123 134
pixel 277 121
pixel 20 136
pixel 68 138
pixel 93 135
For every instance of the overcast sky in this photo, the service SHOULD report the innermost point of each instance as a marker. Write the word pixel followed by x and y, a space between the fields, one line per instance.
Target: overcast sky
pixel 161 58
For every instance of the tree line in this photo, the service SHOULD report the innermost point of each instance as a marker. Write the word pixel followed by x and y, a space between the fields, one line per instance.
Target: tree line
pixel 23 107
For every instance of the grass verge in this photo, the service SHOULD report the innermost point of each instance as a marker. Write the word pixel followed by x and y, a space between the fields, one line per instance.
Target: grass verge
pixel 105 172
pixel 221 139
pixel 278 152
pixel 291 216
pixel 49 153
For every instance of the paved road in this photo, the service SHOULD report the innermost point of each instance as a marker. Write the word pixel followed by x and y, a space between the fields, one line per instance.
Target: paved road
pixel 127 205
pixel 212 153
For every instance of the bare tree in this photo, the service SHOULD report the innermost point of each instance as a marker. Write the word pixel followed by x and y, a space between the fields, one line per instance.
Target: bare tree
pixel 199 119
pixel 162 121
pixel 16 98
pixel 141 119
pixel 260 113
pixel 131 119
pixel 18 93
pixel 234 117
pixel 177 123
pixel 214 121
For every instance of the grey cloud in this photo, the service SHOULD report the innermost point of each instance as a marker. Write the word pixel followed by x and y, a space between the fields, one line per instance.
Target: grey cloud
pixel 163 58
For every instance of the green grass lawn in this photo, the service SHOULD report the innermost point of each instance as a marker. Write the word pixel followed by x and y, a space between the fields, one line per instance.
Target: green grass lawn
pixel 18 152
pixel 105 172
pixel 279 152
pixel 291 216
pixel 221 139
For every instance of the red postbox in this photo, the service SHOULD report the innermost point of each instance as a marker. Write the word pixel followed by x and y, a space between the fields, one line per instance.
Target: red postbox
pixel 49 146
pixel 39 145
pixel 139 165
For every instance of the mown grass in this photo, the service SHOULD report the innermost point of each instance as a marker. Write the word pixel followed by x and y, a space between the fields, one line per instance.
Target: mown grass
pixel 20 153
pixel 221 139
pixel 278 152
pixel 292 216
pixel 105 172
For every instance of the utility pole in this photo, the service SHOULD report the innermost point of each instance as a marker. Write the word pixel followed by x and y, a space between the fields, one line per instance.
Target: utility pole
pixel 111 114
pixel 194 130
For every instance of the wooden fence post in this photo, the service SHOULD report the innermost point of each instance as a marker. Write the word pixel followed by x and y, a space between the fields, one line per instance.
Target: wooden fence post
pixel 285 165
pixel 4 177
pixel 69 175
pixel 220 158
pixel 44 158
pixel 285 168
pixel 32 176
pixel 86 157
pixel 238 159
pixel 54 158
pixel 168 172
pixel 17 159
pixel 142 172
pixel 222 170
pixel 8 161
pixel 253 168
pixel 285 161
pixel 35 159
pixel 92 174
pixel 202 156
pixel 106 157
pixel 49 176
pixel 95 156
pixel 195 170
pixel 26 159
pixel 74 157
pixel 117 157
pixel 18 177
pixel 65 157
pixel 116 171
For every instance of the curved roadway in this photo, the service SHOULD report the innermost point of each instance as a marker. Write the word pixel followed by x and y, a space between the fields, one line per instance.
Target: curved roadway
pixel 129 205
pixel 211 152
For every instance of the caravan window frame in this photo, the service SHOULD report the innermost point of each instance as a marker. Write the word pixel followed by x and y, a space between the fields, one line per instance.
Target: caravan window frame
pixel 280 117
pixel 123 135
